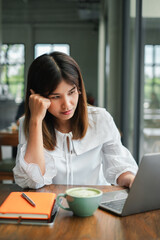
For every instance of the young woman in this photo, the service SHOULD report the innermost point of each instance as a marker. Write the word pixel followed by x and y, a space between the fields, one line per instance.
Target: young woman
pixel 61 139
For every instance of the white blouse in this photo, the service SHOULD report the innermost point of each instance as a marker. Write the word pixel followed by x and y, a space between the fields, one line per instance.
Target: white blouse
pixel 99 158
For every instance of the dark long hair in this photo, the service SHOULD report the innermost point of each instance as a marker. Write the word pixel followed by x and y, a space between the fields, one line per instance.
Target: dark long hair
pixel 44 75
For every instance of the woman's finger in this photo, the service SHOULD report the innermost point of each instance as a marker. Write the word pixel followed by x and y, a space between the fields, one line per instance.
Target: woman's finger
pixel 32 92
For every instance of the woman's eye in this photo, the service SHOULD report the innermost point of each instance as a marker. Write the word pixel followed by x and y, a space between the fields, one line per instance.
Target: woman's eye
pixel 70 93
pixel 54 97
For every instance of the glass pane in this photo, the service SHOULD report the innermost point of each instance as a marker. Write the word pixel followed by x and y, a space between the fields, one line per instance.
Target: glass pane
pixel 157 72
pixel 42 49
pixel 47 48
pixel 12 54
pixel 3 74
pixel 61 48
pixel 157 54
pixel 151 117
pixel 3 52
pixel 148 54
pixel 12 72
pixel 15 73
pixel 16 53
pixel 148 72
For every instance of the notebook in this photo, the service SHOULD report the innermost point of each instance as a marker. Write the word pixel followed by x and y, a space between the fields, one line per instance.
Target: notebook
pixel 15 206
pixel 144 194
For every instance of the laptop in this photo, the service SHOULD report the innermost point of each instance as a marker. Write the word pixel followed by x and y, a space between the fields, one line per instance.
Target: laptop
pixel 144 194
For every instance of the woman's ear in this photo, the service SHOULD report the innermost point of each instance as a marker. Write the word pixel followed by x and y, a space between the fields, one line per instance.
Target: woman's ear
pixel 79 91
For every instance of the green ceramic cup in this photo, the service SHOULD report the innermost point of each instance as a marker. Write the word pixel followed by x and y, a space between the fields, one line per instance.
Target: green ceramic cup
pixel 82 201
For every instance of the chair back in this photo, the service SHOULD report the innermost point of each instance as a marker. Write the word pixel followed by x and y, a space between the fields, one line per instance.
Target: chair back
pixel 8 139
pixel 6 165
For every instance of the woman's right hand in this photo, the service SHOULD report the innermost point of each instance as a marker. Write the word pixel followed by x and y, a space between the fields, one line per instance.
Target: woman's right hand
pixel 38 105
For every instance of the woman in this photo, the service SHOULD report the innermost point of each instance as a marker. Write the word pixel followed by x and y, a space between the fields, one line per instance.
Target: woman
pixel 61 139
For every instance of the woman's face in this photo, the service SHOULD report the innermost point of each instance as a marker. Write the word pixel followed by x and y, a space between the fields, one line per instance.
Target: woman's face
pixel 64 101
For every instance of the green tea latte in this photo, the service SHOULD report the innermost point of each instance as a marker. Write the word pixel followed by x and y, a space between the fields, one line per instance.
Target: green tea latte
pixel 83 192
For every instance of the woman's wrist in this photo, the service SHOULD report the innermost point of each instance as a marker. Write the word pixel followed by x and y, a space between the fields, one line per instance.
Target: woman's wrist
pixel 126 179
pixel 35 121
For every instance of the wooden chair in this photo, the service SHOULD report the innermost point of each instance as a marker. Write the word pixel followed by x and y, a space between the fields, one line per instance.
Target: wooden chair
pixel 6 165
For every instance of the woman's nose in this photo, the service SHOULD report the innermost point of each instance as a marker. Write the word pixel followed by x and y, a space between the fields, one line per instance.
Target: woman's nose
pixel 66 103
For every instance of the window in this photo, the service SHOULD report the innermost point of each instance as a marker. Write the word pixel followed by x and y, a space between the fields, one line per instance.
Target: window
pixel 47 48
pixel 151 99
pixel 12 71
pixel 152 77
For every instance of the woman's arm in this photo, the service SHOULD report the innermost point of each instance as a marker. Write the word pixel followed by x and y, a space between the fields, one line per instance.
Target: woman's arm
pixel 29 174
pixel 126 179
pixel 35 153
pixel 119 165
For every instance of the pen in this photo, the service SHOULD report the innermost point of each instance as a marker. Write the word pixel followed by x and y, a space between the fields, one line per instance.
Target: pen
pixel 28 199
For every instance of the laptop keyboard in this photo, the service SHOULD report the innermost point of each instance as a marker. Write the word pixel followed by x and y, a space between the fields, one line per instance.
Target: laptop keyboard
pixel 117 205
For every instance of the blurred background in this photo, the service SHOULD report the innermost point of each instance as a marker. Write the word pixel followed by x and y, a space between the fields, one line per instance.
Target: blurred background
pixel 116 44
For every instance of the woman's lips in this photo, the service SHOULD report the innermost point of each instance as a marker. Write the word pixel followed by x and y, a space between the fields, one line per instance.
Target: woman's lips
pixel 67 112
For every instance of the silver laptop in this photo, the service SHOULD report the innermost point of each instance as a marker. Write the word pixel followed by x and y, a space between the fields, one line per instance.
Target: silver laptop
pixel 144 194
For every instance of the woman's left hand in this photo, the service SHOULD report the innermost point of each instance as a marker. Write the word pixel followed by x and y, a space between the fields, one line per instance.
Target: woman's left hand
pixel 126 179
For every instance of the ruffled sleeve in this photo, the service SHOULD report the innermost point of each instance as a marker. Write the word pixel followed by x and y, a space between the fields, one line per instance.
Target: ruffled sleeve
pixel 116 158
pixel 29 174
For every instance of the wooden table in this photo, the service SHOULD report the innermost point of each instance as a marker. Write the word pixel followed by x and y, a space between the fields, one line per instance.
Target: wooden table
pixel 102 225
